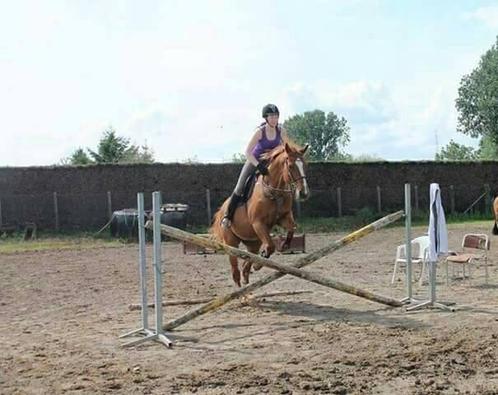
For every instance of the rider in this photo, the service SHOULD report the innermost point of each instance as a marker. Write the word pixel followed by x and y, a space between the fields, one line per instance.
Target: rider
pixel 266 137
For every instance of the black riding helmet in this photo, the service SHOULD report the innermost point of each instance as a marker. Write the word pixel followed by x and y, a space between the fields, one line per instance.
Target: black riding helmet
pixel 270 109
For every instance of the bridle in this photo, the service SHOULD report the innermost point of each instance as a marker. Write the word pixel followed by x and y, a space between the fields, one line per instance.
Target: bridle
pixel 292 185
pixel 294 181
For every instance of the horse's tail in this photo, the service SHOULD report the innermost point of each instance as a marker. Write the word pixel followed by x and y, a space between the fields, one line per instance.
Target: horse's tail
pixel 215 228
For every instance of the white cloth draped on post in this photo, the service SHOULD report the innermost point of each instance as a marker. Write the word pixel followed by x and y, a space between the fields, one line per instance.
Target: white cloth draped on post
pixel 438 244
pixel 438 233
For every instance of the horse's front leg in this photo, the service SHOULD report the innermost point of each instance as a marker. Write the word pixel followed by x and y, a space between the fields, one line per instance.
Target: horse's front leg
pixel 235 270
pixel 263 233
pixel 288 223
pixel 252 247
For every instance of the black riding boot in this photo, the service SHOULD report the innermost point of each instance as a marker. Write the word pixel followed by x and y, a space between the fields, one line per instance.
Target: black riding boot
pixel 232 205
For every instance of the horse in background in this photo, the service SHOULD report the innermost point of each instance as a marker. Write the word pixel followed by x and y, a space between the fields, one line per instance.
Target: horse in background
pixel 269 204
pixel 495 212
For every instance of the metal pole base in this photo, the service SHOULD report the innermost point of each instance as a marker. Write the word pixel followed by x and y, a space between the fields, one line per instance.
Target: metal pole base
pixel 409 300
pixel 430 305
pixel 149 335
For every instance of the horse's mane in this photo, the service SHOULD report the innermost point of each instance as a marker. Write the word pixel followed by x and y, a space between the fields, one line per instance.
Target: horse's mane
pixel 274 154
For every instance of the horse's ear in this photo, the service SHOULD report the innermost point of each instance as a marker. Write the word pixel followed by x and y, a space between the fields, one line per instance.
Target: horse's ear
pixel 288 149
pixel 303 151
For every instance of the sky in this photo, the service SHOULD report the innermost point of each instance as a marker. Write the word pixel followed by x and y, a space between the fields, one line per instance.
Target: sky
pixel 189 78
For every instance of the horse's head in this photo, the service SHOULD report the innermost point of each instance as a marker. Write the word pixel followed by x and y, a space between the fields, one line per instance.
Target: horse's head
pixel 295 166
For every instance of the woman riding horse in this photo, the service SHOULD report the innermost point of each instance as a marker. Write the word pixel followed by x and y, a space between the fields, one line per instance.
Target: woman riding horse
pixel 267 136
pixel 282 177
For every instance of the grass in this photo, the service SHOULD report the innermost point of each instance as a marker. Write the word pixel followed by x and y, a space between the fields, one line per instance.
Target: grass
pixel 365 217
pixel 52 241
pixel 85 240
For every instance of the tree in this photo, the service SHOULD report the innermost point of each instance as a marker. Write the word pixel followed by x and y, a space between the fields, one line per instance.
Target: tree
pixel 365 158
pixel 488 150
pixel 136 154
pixel 325 133
pixel 111 149
pixel 238 158
pixel 191 161
pixel 78 157
pixel 457 152
pixel 477 101
pixel 117 149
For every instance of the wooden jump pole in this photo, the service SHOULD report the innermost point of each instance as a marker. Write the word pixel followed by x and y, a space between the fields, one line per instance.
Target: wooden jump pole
pixel 304 261
pixel 287 269
pixel 205 300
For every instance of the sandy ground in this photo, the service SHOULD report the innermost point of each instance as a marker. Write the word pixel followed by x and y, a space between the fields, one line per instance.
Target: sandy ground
pixel 62 312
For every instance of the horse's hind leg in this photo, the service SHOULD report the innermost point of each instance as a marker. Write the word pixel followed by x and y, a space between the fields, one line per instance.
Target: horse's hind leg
pixel 246 266
pixel 233 241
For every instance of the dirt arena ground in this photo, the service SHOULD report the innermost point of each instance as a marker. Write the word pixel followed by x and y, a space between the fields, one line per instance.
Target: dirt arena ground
pixel 62 312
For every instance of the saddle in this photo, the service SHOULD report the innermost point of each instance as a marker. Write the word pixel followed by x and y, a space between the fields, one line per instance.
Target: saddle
pixel 249 188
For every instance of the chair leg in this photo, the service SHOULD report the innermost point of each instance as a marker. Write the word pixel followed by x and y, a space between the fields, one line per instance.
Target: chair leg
pixel 422 273
pixel 394 272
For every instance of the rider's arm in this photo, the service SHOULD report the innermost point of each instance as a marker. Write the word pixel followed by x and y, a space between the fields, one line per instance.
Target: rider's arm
pixel 255 138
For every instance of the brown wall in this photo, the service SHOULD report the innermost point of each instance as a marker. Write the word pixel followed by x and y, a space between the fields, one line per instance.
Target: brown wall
pixel 26 193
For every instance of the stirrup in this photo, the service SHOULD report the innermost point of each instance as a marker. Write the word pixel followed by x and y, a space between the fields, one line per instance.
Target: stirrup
pixel 226 222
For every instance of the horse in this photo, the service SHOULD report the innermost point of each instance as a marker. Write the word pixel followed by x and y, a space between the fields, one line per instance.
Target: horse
pixel 495 213
pixel 269 204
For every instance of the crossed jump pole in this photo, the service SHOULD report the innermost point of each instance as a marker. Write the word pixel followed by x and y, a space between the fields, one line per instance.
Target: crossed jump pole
pixel 281 270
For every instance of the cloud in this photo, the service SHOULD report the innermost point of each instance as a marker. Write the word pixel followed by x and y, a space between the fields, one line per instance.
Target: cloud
pixel 213 133
pixel 358 101
pixel 487 15
pixel 410 120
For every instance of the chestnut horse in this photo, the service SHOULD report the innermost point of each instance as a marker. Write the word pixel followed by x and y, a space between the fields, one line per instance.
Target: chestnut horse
pixel 270 204
pixel 495 212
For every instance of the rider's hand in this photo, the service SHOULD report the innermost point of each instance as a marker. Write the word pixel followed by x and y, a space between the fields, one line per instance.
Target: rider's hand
pixel 262 168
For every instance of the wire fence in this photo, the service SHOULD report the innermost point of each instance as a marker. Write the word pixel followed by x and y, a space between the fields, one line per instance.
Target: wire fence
pixel 88 211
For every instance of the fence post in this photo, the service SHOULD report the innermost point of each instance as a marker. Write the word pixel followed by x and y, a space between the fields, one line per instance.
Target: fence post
pixel 416 199
pixel 298 208
pixel 487 198
pixel 339 202
pixel 1 218
pixel 208 205
pixel 452 199
pixel 109 205
pixel 56 212
pixel 379 199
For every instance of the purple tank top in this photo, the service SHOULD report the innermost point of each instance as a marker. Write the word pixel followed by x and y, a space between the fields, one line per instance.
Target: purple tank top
pixel 264 144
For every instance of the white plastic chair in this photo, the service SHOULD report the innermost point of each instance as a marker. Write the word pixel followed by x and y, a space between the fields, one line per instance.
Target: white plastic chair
pixel 420 252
